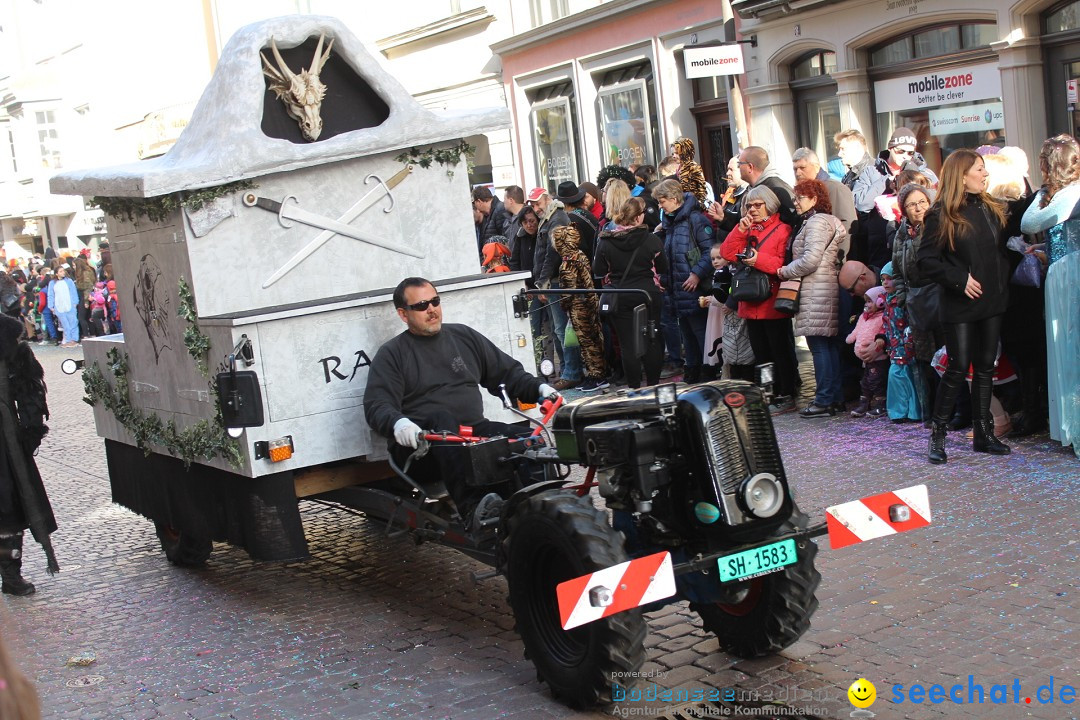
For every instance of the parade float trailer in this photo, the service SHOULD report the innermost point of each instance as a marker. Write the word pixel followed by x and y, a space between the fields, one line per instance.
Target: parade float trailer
pixel 266 244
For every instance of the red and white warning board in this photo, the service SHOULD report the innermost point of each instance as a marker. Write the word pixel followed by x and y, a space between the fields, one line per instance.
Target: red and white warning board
pixel 877 516
pixel 611 590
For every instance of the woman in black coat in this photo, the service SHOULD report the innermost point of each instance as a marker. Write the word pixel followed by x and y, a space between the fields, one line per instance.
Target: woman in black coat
pixel 630 256
pixel 23 502
pixel 963 251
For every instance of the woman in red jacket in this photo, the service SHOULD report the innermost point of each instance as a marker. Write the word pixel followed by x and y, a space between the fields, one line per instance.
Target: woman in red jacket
pixel 762 239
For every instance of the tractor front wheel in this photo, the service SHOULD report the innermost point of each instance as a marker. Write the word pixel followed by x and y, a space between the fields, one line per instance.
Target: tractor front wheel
pixel 553 537
pixel 774 610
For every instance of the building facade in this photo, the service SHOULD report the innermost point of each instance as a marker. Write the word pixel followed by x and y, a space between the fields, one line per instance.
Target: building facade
pixel 608 86
pixel 957 74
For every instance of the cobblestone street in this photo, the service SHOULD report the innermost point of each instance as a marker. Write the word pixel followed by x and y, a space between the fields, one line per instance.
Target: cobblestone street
pixel 371 627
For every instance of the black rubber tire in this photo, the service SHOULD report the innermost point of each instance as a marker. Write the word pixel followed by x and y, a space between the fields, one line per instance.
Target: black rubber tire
pixel 552 537
pixel 181 548
pixel 775 612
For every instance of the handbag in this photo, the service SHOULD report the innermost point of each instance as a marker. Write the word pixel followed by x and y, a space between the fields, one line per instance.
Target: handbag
pixel 609 301
pixel 923 306
pixel 787 297
pixel 749 284
pixel 1028 272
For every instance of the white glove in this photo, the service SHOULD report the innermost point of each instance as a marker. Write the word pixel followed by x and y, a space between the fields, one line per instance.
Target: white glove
pixel 406 431
pixel 548 393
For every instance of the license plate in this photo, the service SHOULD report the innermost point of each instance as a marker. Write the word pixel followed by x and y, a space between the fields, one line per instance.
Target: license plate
pixel 758 561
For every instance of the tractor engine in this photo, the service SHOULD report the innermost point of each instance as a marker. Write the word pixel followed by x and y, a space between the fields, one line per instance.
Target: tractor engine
pixel 696 466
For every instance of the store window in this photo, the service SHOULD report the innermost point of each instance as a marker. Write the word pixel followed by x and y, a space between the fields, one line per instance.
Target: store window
pixel 47 139
pixel 943 83
pixel 1061 60
pixel 816 102
pixel 1063 18
pixel 542 12
pixel 554 127
pixel 626 100
pixel 934 42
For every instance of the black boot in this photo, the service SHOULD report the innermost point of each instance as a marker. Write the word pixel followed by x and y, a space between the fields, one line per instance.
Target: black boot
pixel 936 453
pixel 11 566
pixel 982 389
pixel 985 440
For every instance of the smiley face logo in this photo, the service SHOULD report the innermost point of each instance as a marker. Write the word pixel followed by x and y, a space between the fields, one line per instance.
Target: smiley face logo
pixel 862 693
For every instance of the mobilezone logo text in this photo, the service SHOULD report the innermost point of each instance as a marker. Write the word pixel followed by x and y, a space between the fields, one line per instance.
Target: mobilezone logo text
pixel 974 693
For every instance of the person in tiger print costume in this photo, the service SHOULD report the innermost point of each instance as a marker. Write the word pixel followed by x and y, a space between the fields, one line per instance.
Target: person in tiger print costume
pixel 575 272
pixel 691 176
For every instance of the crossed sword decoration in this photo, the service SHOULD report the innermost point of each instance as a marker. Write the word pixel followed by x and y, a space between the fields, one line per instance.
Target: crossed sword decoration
pixel 286 210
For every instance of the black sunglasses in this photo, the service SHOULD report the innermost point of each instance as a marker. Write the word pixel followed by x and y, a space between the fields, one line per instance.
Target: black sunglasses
pixel 851 290
pixel 423 304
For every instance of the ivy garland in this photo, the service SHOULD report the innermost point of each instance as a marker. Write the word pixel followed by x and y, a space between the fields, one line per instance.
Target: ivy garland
pixel 160 207
pixel 205 440
pixel 449 157
pixel 197 344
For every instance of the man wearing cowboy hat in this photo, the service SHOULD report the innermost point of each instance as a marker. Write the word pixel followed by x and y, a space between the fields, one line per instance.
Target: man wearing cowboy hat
pixel 573 199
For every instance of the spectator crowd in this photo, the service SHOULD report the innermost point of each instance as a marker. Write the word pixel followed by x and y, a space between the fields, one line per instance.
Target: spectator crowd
pixel 947 298
pixel 61 299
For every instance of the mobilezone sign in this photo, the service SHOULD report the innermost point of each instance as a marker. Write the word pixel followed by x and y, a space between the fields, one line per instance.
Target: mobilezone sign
pixel 716 60
pixel 961 84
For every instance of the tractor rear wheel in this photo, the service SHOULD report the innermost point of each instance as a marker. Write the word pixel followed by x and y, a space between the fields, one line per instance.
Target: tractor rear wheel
pixel 181 548
pixel 553 537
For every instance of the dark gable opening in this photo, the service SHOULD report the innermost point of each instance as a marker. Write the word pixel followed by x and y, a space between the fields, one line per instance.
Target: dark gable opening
pixel 350 103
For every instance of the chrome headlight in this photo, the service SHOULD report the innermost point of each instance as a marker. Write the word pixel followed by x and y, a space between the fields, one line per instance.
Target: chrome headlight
pixel 763 495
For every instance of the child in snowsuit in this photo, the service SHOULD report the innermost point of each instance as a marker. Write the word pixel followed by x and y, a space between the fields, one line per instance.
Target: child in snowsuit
pixel 869 340
pixel 575 272
pixel 906 396
pixel 97 310
pixel 112 307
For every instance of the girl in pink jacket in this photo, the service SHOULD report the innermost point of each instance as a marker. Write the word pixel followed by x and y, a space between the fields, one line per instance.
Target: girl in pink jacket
pixel 868 337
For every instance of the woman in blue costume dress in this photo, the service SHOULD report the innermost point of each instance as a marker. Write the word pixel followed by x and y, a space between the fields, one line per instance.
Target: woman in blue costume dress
pixel 1056 212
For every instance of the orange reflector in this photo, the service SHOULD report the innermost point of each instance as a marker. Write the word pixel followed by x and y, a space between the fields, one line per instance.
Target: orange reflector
pixel 280 449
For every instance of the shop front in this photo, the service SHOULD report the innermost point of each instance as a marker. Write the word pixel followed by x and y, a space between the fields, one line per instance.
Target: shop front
pixel 957 74
pixel 583 97
pixel 952 107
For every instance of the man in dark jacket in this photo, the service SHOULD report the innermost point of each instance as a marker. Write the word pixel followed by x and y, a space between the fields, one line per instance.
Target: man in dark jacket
pixel 573 199
pixel 546 264
pixel 756 169
pixel 514 203
pixel 495 218
pixel 429 378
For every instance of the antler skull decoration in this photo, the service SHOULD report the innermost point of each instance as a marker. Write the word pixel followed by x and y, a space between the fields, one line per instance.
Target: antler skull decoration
pixel 301 92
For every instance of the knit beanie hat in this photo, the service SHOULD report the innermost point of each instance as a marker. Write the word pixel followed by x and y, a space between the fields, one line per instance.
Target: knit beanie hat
pixel 902 136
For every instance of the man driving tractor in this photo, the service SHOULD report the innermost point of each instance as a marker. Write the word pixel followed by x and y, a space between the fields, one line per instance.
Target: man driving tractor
pixel 428 377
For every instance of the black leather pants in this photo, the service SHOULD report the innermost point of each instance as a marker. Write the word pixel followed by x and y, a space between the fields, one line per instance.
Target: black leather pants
pixel 971 344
